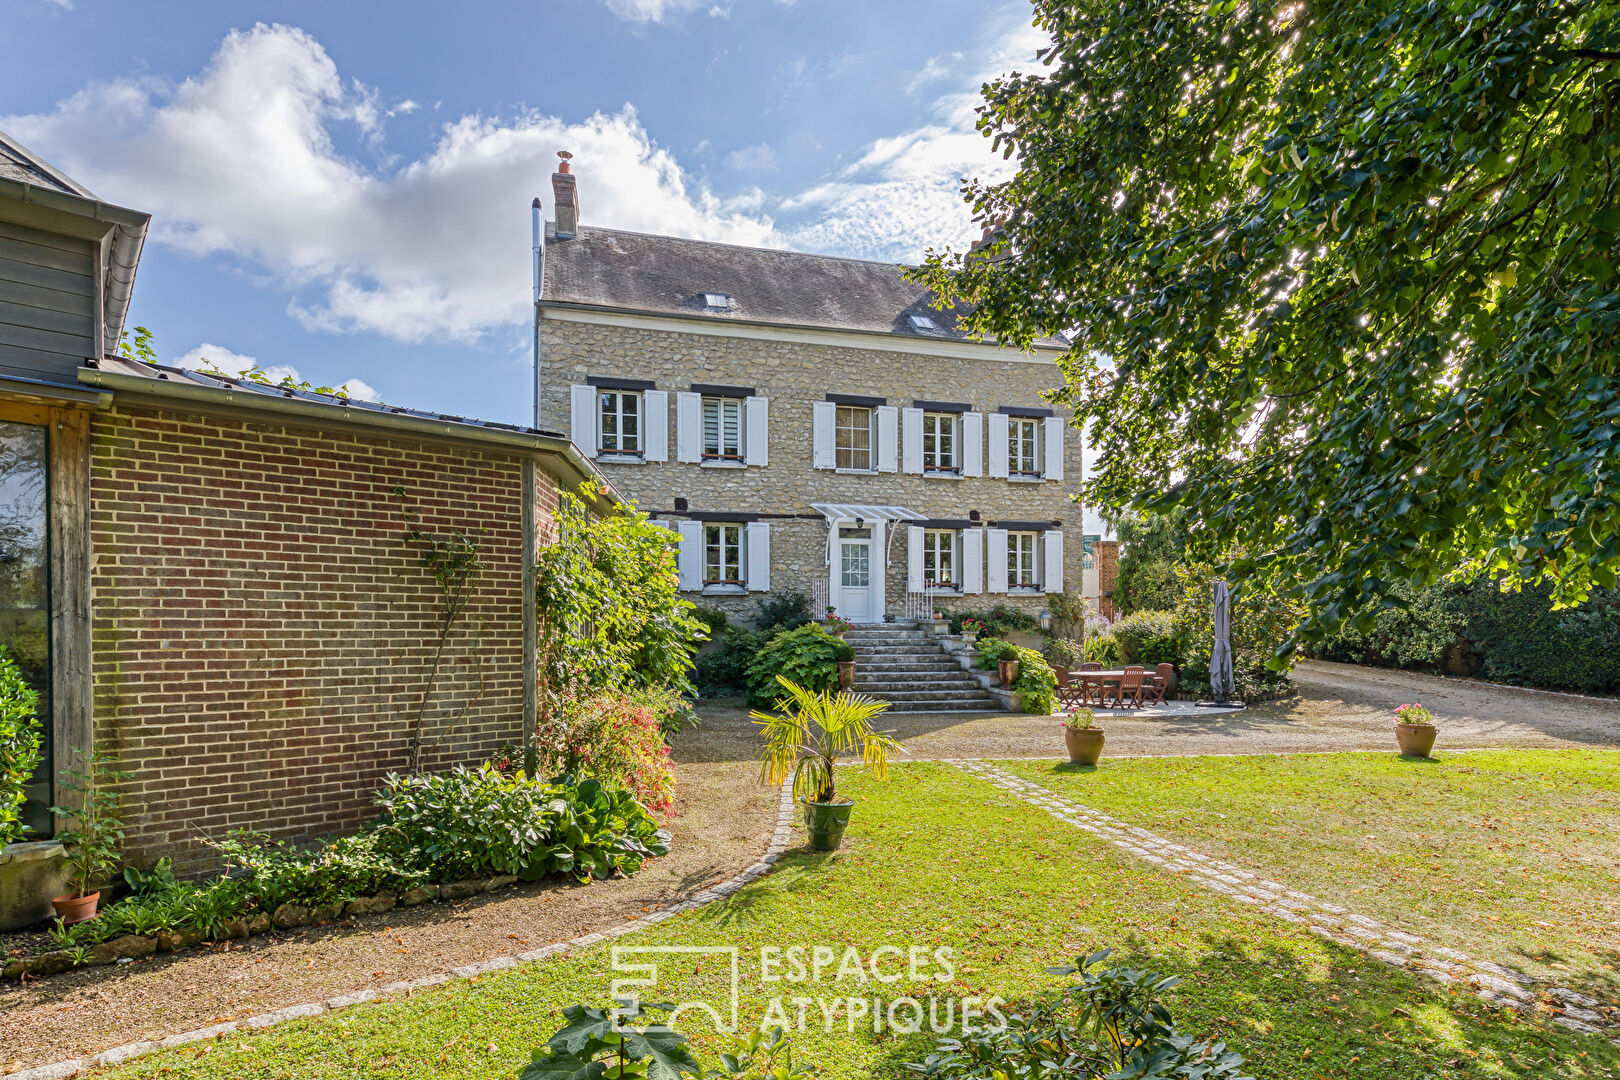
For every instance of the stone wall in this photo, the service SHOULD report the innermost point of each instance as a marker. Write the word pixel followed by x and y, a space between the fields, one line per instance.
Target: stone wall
pixel 793 375
pixel 263 628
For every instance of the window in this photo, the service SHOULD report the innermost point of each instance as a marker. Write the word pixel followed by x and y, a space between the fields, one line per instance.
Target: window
pixel 717 301
pixel 620 421
pixel 722 428
pixel 853 437
pixel 25 592
pixel 1023 436
pixel 939 557
pixel 1021 561
pixel 722 555
pixel 939 443
pixel 922 322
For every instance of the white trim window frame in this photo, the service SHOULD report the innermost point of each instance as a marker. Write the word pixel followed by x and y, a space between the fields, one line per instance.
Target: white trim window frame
pixel 723 439
pixel 941 444
pixel 1023 448
pixel 723 557
pixel 854 439
pixel 940 559
pixel 619 422
pixel 1022 569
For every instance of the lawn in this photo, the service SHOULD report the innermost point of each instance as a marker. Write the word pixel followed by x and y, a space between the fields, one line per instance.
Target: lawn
pixel 935 858
pixel 1507 855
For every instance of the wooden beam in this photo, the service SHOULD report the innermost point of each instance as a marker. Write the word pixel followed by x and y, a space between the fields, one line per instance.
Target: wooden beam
pixel 71 686
pixel 531 625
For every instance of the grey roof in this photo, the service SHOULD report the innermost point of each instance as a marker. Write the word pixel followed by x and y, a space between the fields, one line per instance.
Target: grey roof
pixel 19 163
pixel 668 275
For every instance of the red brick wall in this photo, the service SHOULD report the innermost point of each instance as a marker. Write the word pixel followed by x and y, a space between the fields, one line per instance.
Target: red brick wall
pixel 263 629
pixel 1107 552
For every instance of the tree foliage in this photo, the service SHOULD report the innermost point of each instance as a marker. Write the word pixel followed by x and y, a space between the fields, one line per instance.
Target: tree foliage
pixel 1151 546
pixel 1340 279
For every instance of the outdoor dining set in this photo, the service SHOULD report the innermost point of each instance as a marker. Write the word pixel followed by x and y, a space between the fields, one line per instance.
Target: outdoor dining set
pixel 1093 686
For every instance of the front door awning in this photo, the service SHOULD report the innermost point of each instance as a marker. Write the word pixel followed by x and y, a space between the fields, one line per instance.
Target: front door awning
pixel 850 511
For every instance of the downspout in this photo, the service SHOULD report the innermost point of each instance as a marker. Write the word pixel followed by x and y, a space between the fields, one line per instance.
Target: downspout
pixel 531 539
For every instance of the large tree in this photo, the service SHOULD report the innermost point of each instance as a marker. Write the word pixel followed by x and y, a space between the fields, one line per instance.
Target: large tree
pixel 1340 277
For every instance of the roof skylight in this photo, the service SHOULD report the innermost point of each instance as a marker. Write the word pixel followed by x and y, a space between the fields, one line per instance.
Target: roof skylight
pixel 717 301
pixel 922 322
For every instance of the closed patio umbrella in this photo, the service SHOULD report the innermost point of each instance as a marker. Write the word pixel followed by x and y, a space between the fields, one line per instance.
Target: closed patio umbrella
pixel 1220 659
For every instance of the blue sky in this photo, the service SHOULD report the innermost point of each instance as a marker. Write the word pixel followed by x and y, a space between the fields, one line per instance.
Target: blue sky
pixel 342 189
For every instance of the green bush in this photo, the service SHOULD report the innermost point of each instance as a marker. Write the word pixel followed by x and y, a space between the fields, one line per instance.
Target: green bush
pixel 786 610
pixel 276 873
pixel 714 619
pixel 1148 638
pixel 999 621
pixel 807 655
pixel 845 652
pixel 1067 653
pixel 20 746
pixel 1036 681
pixel 724 669
pixel 991 651
pixel 1104 649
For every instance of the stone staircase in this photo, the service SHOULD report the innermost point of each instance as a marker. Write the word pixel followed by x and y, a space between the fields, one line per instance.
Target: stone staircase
pixel 909 668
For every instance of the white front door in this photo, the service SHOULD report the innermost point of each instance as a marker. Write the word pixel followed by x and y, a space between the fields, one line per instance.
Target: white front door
pixel 854 599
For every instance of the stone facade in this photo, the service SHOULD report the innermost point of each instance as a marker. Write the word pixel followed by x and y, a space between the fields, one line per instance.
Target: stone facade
pixel 792 372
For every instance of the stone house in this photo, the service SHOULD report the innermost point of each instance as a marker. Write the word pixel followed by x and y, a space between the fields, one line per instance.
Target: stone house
pixel 807 422
pixel 210 578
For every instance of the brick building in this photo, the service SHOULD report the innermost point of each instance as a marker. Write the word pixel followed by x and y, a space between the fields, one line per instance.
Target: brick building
pixel 807 422
pixel 210 579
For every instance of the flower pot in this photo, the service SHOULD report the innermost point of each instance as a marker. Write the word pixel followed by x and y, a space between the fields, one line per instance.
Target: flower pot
pixel 76 909
pixel 31 873
pixel 1009 671
pixel 1085 744
pixel 846 674
pixel 826 822
pixel 970 636
pixel 1416 740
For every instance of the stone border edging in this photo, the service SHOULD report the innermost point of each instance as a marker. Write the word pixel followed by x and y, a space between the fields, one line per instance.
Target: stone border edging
pixel 117 1055
pixel 1490 982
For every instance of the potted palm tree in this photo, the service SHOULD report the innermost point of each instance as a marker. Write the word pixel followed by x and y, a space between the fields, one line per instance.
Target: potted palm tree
pixel 1083 739
pixel 1414 730
pixel 804 739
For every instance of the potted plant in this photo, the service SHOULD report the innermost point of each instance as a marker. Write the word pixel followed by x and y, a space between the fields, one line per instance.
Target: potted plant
pixel 838 627
pixel 94 845
pixel 1083 738
pixel 971 629
pixel 1007 667
pixel 805 738
pixel 846 665
pixel 1414 730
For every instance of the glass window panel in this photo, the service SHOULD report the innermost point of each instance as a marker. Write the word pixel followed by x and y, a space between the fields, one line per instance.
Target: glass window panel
pixel 856 565
pixel 24 589
pixel 853 433
pixel 722 428
pixel 722 555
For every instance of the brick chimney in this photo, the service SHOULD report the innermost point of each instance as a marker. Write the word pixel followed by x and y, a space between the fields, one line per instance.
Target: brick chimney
pixel 566 198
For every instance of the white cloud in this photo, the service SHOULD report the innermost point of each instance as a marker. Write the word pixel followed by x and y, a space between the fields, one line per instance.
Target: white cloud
pixel 359 389
pixel 211 357
pixel 757 158
pixel 241 159
pixel 646 11
pixel 65 5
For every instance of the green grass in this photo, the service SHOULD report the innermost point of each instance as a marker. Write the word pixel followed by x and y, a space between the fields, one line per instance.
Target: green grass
pixel 1507 855
pixel 935 858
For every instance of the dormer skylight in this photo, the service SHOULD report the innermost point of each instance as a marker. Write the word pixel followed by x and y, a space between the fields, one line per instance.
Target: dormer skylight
pixel 717 301
pixel 922 322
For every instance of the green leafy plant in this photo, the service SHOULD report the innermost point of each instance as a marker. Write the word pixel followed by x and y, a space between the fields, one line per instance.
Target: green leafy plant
pixel 838 625
pixel 137 346
pixel 807 655
pixel 1080 719
pixel 97 835
pixel 724 669
pixel 335 871
pixel 1149 638
pixel 21 741
pixel 1064 652
pixel 624 1042
pixel 1036 682
pixel 1103 648
pixel 1413 714
pixel 999 621
pixel 844 653
pixel 991 651
pixel 153 882
pixel 784 609
pixel 811 730
pixel 617 740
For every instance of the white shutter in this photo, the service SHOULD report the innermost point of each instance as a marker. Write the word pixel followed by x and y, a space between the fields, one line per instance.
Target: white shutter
pixel 911 440
pixel 756 429
pixel 996 561
pixel 688 426
pixel 689 561
pixel 655 421
pixel 823 418
pixel 973 560
pixel 972 444
pixel 582 417
pixel 998 445
pixel 1054 447
pixel 914 558
pixel 888 438
pixel 759 556
pixel 1053 582
pixel 880 571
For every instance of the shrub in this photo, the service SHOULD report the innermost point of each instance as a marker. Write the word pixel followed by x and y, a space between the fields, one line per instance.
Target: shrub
pixel 806 656
pixel 991 651
pixel 20 746
pixel 1036 681
pixel 672 709
pixel 997 622
pixel 1104 649
pixel 617 740
pixel 845 652
pixel 335 871
pixel 724 669
pixel 713 619
pixel 1064 652
pixel 1149 638
pixel 786 610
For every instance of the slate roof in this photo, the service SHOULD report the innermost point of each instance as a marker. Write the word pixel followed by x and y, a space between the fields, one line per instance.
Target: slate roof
pixel 18 163
pixel 668 275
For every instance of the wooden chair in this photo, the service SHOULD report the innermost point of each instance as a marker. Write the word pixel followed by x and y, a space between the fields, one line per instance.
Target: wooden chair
pixel 1130 688
pixel 1071 695
pixel 1157 683
pixel 1090 692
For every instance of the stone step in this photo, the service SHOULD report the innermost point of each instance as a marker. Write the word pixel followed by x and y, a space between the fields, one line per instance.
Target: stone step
pixel 921 664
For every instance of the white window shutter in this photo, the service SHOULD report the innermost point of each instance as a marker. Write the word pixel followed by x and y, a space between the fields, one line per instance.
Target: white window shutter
pixel 655 425
pixel 1053 582
pixel 1054 447
pixel 914 558
pixel 911 440
pixel 972 444
pixel 996 560
pixel 823 418
pixel 759 556
pixel 880 570
pixel 756 428
pixel 998 445
pixel 688 426
pixel 973 560
pixel 689 561
pixel 888 438
pixel 582 417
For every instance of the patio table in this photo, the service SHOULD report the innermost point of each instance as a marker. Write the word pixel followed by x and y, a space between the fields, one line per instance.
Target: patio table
pixel 1099 679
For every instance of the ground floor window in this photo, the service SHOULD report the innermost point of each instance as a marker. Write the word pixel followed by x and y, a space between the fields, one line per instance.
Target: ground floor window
pixel 25 587
pixel 1021 560
pixel 939 557
pixel 722 555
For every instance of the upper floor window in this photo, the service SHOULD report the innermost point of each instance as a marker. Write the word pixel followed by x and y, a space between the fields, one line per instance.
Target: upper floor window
pixel 722 428
pixel 939 557
pixel 939 447
pixel 1023 438
pixel 852 432
pixel 619 421
pixel 722 555
pixel 1021 560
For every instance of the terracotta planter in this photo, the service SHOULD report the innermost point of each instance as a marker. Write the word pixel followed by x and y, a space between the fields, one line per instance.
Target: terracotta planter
pixel 1416 740
pixel 970 636
pixel 1009 671
pixel 1085 744
pixel 76 909
pixel 846 674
